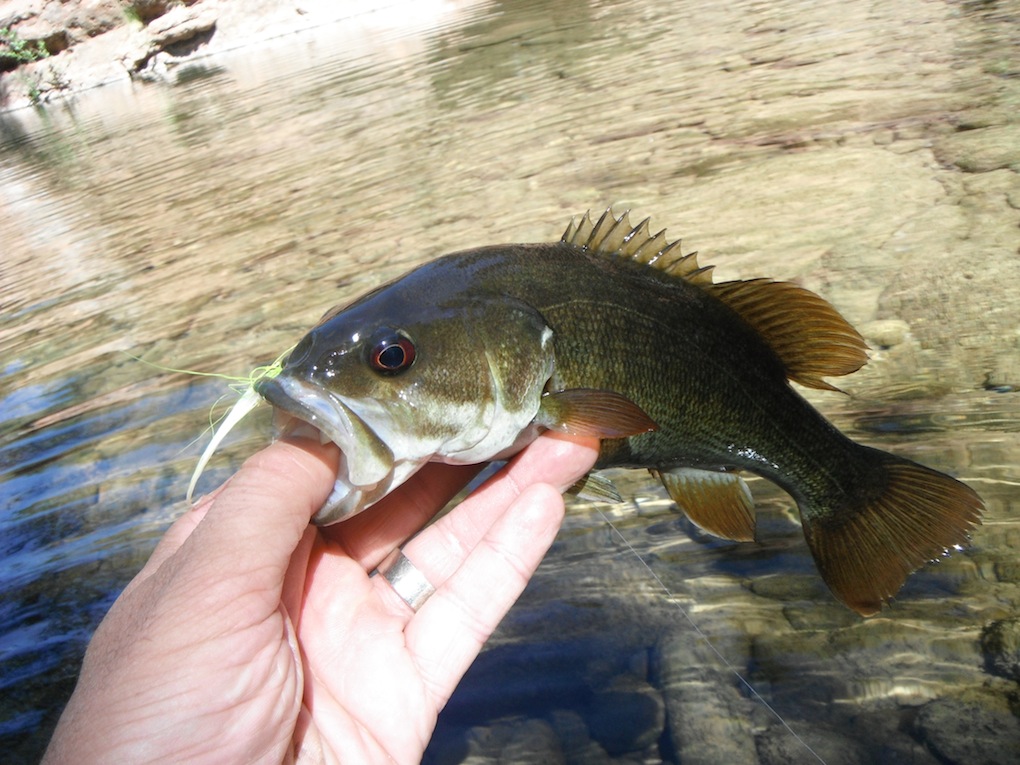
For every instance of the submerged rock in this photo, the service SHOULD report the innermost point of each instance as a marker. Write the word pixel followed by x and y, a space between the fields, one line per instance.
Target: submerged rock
pixel 1001 644
pixel 628 718
pixel 975 729
pixel 983 149
pixel 707 718
pixel 778 747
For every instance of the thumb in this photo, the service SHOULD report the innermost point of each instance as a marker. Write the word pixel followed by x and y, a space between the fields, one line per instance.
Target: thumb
pixel 255 522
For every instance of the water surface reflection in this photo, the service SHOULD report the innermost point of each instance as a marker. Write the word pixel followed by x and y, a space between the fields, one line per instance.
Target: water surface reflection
pixel 864 151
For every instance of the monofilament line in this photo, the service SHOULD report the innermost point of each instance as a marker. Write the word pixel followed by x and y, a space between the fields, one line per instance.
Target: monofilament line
pixel 745 683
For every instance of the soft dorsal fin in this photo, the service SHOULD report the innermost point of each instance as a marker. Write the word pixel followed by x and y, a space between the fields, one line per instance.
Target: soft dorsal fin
pixel 807 334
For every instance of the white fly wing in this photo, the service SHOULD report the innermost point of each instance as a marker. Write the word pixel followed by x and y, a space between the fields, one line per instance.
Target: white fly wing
pixel 248 401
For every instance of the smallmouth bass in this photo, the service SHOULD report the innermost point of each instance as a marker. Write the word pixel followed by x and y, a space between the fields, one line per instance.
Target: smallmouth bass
pixel 612 332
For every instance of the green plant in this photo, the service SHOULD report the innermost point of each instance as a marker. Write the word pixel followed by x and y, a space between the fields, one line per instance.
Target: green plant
pixel 13 49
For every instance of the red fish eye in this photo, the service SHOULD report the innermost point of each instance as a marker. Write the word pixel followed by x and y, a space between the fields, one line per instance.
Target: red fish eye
pixel 393 354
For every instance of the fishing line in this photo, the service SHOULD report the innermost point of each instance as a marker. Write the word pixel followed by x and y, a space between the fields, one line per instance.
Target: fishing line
pixel 672 599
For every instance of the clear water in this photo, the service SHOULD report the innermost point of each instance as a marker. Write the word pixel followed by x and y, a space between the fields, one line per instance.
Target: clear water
pixel 869 152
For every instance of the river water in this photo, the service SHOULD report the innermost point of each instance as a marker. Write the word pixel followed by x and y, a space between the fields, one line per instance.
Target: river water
pixel 869 151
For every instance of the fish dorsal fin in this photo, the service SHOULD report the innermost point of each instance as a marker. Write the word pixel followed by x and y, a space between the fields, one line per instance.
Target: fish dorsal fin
pixel 616 237
pixel 809 336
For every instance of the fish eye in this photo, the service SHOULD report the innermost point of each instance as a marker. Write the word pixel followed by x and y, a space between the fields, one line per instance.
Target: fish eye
pixel 392 353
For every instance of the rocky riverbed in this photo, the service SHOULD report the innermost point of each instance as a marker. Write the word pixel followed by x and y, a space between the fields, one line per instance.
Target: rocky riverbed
pixel 869 151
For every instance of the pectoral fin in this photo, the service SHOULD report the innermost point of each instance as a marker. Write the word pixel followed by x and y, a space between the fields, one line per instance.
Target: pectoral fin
pixel 590 412
pixel 596 488
pixel 719 503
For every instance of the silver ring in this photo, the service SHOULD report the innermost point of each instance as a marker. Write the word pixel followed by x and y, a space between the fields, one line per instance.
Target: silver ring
pixel 406 580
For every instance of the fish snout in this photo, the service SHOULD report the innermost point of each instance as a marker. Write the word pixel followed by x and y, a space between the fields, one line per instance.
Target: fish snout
pixel 270 390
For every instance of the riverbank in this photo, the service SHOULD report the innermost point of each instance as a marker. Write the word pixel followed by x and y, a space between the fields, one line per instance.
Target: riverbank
pixel 51 49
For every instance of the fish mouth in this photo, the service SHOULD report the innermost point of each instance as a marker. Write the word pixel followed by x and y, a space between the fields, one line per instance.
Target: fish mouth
pixel 368 469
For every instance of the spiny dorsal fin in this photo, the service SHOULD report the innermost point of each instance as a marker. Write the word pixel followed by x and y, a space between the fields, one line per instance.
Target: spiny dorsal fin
pixel 617 238
pixel 809 336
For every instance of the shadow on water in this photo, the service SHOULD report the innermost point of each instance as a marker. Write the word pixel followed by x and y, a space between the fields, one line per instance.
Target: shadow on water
pixel 867 152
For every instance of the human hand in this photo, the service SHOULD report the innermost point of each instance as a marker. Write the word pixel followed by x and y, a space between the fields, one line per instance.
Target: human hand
pixel 250 636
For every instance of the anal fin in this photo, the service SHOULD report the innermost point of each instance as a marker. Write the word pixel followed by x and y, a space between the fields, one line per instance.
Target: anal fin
pixel 720 503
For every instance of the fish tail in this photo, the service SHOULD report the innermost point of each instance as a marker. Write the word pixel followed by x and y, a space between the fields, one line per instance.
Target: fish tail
pixel 867 538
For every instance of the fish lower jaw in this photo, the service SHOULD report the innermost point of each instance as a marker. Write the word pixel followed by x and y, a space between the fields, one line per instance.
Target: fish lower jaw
pixel 347 499
pixel 343 501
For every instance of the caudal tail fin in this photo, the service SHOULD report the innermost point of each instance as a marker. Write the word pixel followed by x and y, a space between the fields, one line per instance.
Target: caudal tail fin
pixel 903 515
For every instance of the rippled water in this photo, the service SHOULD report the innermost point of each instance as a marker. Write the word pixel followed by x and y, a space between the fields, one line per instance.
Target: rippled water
pixel 869 152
